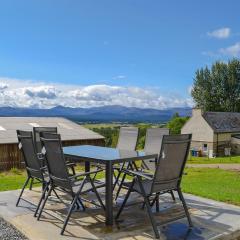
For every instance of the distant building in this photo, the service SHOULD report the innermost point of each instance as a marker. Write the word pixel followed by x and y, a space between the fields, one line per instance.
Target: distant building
pixel 214 131
pixel 72 134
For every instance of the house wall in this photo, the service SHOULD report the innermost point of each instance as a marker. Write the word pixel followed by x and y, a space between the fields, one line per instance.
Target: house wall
pixel 235 145
pixel 199 145
pixel 11 156
pixel 201 132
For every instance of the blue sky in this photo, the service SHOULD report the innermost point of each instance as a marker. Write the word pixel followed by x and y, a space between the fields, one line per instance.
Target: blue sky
pixel 92 53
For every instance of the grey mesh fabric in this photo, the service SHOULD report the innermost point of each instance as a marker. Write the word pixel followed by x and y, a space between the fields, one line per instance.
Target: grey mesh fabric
pixel 36 134
pixel 59 176
pixel 171 162
pixel 55 159
pixel 153 143
pixel 127 139
pixel 167 177
pixel 33 167
pixel 29 153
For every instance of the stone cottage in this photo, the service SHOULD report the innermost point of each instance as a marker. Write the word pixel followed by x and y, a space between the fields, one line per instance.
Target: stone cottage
pixel 214 131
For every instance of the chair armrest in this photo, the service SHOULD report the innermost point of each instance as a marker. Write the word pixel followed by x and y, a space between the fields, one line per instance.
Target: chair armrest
pixel 137 174
pixel 44 168
pixel 70 164
pixel 84 174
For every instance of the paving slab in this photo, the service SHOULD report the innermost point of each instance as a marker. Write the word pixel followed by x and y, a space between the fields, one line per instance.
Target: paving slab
pixel 212 220
pixel 224 166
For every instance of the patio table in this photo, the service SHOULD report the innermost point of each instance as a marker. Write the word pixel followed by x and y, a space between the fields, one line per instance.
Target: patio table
pixel 108 157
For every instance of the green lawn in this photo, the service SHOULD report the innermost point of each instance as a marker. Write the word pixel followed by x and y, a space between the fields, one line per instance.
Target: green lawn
pixel 205 160
pixel 217 184
pixel 11 180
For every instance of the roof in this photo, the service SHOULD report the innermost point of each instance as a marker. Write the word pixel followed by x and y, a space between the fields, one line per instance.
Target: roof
pixel 223 122
pixel 69 130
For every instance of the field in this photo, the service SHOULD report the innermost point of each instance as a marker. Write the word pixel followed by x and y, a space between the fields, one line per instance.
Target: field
pixel 215 184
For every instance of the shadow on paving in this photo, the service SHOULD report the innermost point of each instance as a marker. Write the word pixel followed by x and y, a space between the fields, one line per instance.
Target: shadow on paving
pixel 211 219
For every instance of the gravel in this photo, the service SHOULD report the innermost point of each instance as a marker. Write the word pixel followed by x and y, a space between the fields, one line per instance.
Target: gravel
pixel 8 231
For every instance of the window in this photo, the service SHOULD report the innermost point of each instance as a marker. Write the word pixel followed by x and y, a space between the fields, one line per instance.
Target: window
pixel 205 147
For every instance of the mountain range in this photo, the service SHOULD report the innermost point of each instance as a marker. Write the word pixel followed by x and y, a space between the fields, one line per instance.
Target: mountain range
pixel 99 114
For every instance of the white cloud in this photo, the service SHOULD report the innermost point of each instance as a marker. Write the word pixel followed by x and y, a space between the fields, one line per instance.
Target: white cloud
pixel 48 92
pixel 220 33
pixel 26 93
pixel 233 51
pixel 3 86
pixel 119 77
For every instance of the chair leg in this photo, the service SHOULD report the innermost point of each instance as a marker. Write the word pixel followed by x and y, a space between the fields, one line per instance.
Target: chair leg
pixel 41 199
pixel 56 194
pixel 31 184
pixel 172 194
pixel 153 201
pixel 95 174
pixel 125 200
pixel 149 210
pixel 143 205
pixel 69 214
pixel 185 207
pixel 45 200
pixel 24 186
pixel 97 194
pixel 73 170
pixel 81 203
pixel 157 203
pixel 120 186
pixel 116 179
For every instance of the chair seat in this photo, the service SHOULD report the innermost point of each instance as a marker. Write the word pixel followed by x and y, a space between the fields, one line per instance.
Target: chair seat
pixel 147 185
pixel 87 186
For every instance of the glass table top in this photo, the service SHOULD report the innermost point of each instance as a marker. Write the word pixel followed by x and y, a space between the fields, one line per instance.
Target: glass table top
pixel 106 153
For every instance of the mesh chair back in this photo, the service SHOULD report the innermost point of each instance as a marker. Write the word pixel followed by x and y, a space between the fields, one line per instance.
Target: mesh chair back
pixel 127 139
pixel 171 162
pixel 36 134
pixel 55 159
pixel 25 139
pixel 153 143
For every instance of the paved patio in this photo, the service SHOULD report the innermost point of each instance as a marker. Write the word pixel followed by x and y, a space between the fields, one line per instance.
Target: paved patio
pixel 212 220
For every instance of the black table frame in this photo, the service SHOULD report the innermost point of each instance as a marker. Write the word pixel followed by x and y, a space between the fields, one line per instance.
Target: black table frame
pixel 108 176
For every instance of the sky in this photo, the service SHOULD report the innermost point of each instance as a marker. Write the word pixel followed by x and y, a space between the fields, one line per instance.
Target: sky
pixel 137 53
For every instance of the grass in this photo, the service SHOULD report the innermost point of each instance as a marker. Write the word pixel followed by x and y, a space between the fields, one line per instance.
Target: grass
pixel 216 184
pixel 12 180
pixel 206 160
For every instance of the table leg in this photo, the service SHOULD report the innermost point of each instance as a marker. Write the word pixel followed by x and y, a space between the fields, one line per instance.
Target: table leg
pixel 109 194
pixel 87 166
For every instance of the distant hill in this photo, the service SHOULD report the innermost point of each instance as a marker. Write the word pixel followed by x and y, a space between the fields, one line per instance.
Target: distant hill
pixel 99 114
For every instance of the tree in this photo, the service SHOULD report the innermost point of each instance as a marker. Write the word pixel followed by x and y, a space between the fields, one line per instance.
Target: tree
pixel 218 88
pixel 176 123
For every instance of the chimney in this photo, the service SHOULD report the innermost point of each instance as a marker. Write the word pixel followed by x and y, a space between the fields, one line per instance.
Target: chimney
pixel 196 112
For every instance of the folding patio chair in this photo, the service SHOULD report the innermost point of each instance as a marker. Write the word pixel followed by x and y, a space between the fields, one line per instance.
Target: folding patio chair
pixel 32 164
pixel 167 176
pixel 38 144
pixel 127 140
pixel 60 179
pixel 153 143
